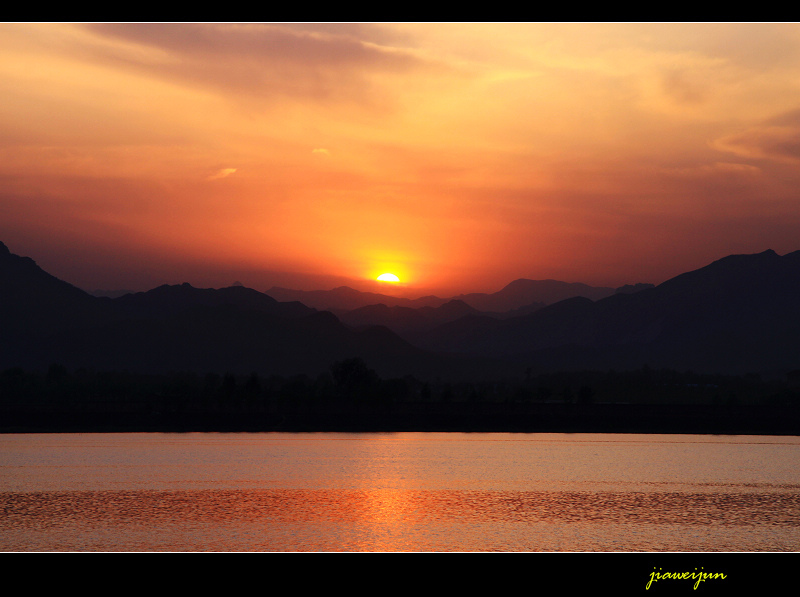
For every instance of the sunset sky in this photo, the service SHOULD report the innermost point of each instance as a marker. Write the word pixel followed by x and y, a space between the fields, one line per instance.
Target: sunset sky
pixel 457 156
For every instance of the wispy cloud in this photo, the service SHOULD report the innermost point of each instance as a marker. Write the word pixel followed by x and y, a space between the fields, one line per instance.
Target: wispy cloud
pixel 776 139
pixel 262 60
pixel 221 173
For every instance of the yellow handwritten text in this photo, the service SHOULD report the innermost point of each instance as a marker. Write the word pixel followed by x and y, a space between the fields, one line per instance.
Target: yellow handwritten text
pixel 698 576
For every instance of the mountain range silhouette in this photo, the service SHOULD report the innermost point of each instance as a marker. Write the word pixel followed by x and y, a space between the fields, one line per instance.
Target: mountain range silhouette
pixel 736 315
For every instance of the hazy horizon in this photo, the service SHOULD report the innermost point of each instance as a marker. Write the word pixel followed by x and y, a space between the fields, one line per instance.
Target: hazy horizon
pixel 271 280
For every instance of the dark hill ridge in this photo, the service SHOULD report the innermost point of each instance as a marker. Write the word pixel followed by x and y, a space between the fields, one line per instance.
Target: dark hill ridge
pixel 170 299
pixel 44 320
pixel 737 315
pixel 522 292
pixel 344 298
pixel 34 302
pixel 415 325
pixel 406 321
pixel 414 320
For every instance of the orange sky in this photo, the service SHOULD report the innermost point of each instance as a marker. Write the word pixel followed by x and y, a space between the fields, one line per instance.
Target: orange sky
pixel 458 156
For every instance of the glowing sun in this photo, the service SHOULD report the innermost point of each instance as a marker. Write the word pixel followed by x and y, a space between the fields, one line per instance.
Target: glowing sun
pixel 388 278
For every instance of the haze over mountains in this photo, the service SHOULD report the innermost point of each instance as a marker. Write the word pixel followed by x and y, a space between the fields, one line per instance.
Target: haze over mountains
pixel 737 315
pixel 519 294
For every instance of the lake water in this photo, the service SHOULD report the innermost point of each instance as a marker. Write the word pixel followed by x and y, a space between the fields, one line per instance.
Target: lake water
pixel 398 492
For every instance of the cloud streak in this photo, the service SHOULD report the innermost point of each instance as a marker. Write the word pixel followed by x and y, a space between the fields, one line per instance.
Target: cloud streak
pixel 224 172
pixel 261 60
pixel 776 139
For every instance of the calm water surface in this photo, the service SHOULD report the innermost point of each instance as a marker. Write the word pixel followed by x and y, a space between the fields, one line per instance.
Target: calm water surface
pixel 399 492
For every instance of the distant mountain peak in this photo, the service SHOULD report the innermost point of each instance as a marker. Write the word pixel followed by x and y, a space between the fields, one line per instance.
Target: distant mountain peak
pixel 768 254
pixel 520 282
pixel 766 258
pixel 4 249
pixel 632 288
pixel 456 302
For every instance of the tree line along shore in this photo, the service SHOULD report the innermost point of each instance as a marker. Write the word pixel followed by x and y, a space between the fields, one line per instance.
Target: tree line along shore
pixel 352 397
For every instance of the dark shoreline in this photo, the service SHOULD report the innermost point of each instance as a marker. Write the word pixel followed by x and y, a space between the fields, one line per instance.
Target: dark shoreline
pixel 353 398
pixel 522 418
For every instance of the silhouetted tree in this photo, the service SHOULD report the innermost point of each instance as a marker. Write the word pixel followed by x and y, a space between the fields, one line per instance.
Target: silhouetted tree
pixel 447 394
pixel 253 385
pixel 353 373
pixel 585 395
pixel 228 388
pixel 425 392
pixel 57 374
